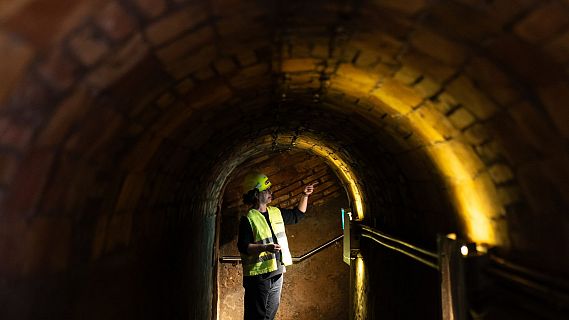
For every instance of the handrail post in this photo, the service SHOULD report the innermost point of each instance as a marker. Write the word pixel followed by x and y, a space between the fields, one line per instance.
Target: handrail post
pixel 348 242
pixel 452 280
pixel 355 237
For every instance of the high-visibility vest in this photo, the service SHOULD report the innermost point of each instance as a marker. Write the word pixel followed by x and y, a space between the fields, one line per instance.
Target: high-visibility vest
pixel 266 261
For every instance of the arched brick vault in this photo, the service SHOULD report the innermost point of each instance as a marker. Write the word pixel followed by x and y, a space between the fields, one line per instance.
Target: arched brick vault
pixel 119 120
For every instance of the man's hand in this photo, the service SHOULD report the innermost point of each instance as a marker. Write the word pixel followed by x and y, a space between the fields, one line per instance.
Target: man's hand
pixel 309 189
pixel 272 247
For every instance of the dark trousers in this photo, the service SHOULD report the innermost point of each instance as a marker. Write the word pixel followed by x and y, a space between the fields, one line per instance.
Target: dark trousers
pixel 262 297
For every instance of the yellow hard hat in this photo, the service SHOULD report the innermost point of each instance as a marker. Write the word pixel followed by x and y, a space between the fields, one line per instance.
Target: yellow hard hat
pixel 257 181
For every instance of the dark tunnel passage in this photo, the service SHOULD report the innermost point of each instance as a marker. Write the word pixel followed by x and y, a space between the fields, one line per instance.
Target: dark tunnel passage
pixel 125 126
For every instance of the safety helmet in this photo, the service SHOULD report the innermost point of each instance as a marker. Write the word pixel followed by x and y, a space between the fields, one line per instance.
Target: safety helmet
pixel 257 181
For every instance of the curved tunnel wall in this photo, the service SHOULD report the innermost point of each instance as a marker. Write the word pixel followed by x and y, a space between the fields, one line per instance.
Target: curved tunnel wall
pixel 121 122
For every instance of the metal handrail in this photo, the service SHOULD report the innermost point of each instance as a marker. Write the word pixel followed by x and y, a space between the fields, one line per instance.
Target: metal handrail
pixel 388 237
pixel 537 282
pixel 503 263
pixel 374 234
pixel 424 261
pixel 540 289
pixel 237 259
pixel 230 259
pixel 316 250
pixel 554 290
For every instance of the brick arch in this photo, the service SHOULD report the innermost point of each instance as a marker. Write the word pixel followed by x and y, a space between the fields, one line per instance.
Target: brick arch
pixel 359 79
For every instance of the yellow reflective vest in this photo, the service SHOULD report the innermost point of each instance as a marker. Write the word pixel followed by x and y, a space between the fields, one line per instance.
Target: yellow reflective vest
pixel 266 261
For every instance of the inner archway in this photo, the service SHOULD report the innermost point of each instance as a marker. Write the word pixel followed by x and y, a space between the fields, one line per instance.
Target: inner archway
pixel 316 288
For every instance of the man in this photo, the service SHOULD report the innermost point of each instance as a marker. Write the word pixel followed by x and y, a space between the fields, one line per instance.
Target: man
pixel 264 247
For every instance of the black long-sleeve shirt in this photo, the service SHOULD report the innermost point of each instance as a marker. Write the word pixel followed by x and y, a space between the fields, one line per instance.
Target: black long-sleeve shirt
pixel 290 216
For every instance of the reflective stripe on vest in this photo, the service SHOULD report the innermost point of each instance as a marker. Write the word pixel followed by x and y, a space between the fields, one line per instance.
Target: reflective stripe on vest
pixel 266 261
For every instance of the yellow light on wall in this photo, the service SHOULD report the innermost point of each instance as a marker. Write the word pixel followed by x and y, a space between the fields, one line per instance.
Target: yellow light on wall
pixel 460 168
pixel 360 296
pixel 481 247
pixel 360 275
pixel 451 236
